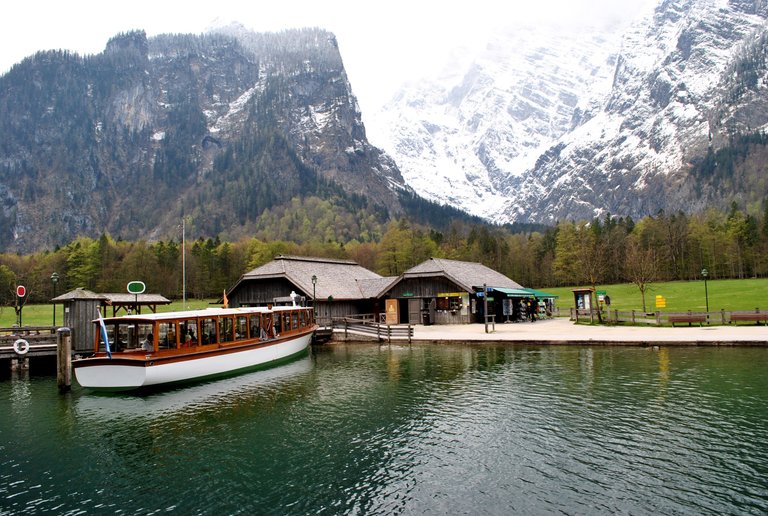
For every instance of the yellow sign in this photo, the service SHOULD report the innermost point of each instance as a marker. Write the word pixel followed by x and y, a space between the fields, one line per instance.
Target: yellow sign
pixel 450 294
pixel 661 302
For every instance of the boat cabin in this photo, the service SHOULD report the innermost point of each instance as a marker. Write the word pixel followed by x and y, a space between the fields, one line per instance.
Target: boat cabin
pixel 199 330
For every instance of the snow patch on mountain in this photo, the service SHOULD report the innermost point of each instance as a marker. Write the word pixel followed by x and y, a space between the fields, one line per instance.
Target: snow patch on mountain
pixel 463 137
pixel 544 126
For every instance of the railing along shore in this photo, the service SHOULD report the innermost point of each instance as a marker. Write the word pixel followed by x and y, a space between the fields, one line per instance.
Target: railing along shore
pixel 721 317
pixel 366 324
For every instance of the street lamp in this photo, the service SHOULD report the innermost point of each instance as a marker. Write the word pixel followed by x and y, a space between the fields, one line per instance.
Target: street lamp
pixel 704 274
pixel 54 280
pixel 314 283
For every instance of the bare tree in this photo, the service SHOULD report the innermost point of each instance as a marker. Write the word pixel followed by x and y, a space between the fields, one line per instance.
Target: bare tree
pixel 641 266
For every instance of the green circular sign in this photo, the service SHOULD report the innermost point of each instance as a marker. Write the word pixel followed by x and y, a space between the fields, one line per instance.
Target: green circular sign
pixel 136 287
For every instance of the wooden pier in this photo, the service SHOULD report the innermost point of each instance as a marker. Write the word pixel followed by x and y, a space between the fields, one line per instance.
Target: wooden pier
pixel 47 347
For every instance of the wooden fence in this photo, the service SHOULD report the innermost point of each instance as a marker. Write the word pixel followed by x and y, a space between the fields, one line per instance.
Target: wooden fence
pixel 657 318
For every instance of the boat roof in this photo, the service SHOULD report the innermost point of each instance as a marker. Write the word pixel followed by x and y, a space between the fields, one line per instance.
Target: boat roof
pixel 205 312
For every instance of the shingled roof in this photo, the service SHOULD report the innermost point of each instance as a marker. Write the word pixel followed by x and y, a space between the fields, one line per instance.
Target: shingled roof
pixel 113 298
pixel 468 275
pixel 342 279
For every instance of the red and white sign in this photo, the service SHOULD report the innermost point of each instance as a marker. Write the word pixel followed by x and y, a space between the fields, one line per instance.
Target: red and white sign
pixel 21 291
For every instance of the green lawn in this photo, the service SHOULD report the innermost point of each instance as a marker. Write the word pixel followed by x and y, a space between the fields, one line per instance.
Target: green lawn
pixel 681 296
pixel 42 315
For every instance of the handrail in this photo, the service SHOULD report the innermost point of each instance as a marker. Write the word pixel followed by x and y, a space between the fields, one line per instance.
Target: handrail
pixel 380 331
pixel 721 317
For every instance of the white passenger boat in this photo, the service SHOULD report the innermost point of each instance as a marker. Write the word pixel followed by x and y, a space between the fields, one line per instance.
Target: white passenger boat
pixel 136 351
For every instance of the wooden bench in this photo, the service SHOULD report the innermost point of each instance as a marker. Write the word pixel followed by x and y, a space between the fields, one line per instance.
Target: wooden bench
pixel 687 318
pixel 755 317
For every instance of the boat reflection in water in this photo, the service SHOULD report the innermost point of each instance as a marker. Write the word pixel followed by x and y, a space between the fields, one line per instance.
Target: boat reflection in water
pixel 194 398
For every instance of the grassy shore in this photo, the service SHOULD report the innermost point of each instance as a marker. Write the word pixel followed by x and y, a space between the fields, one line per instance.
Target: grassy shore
pixel 681 296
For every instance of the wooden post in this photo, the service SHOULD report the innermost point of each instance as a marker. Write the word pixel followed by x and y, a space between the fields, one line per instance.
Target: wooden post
pixel 64 359
pixel 485 306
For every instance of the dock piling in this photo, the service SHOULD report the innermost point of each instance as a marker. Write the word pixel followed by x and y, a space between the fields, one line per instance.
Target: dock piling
pixel 64 359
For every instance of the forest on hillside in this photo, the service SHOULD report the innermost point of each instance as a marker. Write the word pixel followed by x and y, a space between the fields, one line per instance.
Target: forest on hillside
pixel 663 247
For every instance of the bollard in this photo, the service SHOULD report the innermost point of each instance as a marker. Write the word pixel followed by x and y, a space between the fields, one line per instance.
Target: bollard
pixel 64 359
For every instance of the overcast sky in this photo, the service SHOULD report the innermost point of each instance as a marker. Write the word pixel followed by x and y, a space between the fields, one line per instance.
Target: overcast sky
pixel 382 43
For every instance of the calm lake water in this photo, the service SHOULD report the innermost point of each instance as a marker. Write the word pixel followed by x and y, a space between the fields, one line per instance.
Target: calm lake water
pixel 363 429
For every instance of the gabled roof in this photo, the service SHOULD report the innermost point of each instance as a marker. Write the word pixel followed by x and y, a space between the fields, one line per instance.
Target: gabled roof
pixel 342 279
pixel 79 293
pixel 469 276
pixel 113 298
pixel 146 299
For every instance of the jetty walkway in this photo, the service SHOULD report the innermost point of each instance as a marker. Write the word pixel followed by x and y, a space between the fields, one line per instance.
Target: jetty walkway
pixel 562 331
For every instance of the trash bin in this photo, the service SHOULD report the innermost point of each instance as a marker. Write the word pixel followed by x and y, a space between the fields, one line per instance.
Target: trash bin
pixel 425 318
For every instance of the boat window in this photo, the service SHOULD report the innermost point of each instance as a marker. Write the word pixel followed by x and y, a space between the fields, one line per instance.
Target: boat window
pixel 278 324
pixel 287 321
pixel 144 329
pixel 189 333
pixel 255 326
pixel 166 335
pixel 241 327
pixel 208 331
pixel 302 319
pixel 295 320
pixel 225 329
pixel 268 328
pixel 132 337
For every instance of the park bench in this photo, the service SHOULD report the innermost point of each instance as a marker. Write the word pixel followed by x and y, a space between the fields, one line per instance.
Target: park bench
pixel 687 318
pixel 755 316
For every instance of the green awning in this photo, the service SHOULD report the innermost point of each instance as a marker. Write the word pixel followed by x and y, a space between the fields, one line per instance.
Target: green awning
pixel 514 292
pixel 524 292
pixel 542 295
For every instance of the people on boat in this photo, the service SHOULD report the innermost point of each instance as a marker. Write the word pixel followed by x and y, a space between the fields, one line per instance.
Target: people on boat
pixel 149 343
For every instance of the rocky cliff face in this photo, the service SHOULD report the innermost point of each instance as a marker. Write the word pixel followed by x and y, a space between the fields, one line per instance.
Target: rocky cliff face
pixel 217 128
pixel 576 128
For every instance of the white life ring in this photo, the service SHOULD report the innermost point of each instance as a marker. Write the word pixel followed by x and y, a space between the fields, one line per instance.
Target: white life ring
pixel 21 347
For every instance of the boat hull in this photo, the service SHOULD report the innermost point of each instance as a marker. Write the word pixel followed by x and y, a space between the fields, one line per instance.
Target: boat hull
pixel 118 374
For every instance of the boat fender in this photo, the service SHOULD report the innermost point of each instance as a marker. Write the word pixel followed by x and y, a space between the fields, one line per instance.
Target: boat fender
pixel 21 347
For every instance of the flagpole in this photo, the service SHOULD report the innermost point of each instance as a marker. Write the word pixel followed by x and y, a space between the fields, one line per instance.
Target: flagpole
pixel 183 263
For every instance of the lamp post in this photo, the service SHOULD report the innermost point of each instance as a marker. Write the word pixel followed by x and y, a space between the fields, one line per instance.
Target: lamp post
pixel 704 274
pixel 54 280
pixel 314 283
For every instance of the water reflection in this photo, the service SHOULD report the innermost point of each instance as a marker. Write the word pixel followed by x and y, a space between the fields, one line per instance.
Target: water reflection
pixel 188 399
pixel 408 429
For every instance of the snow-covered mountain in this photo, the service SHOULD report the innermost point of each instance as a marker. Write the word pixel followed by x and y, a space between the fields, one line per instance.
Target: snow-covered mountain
pixel 544 126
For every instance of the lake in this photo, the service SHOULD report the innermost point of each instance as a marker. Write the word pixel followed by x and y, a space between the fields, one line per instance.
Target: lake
pixel 440 429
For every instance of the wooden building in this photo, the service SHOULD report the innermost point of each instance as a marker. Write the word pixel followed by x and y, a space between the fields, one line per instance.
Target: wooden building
pixel 82 306
pixel 440 291
pixel 437 291
pixel 336 287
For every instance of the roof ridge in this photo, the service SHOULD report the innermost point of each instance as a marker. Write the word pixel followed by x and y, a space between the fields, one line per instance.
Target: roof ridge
pixel 316 259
